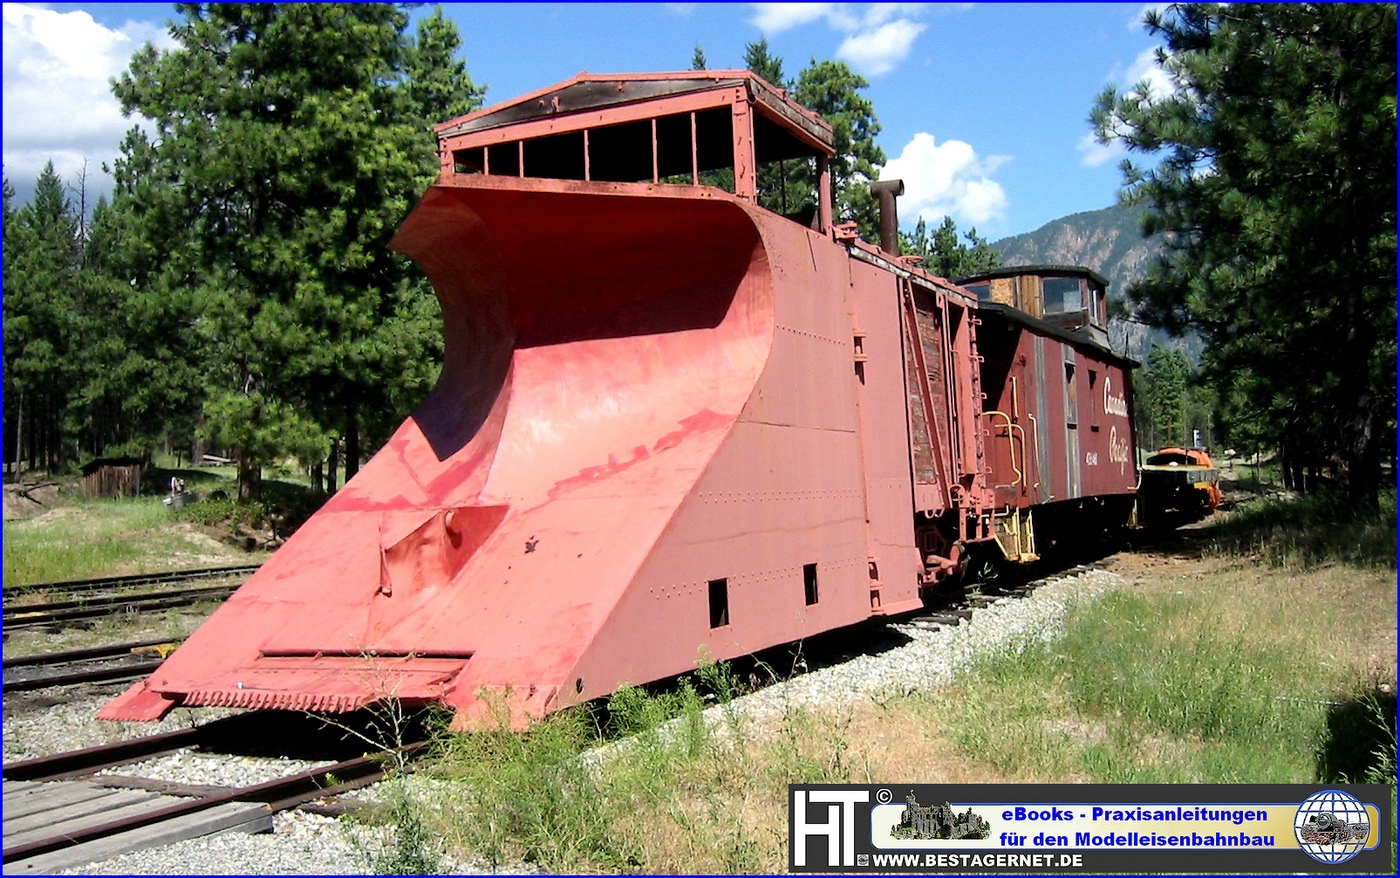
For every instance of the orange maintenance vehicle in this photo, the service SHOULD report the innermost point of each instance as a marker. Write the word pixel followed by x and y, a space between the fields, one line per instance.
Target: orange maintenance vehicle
pixel 1179 485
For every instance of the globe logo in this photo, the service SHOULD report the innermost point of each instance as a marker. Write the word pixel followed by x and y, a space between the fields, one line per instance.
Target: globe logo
pixel 1332 826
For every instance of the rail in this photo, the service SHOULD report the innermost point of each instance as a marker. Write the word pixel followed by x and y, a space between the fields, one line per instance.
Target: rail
pixel 113 582
pixel 133 658
pixel 89 608
pixel 276 795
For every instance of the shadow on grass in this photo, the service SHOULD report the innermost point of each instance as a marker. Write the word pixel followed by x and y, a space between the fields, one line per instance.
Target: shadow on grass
pixel 1316 529
pixel 283 507
pixel 156 480
pixel 1358 745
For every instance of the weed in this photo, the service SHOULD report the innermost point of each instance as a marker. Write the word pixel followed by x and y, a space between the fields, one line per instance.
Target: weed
pixel 388 726
pixel 405 843
pixel 672 788
pixel 414 848
pixel 531 798
pixel 719 678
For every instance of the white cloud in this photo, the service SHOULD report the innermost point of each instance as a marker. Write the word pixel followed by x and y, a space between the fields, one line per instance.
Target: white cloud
pixel 879 13
pixel 875 40
pixel 773 18
pixel 947 180
pixel 1146 69
pixel 1095 153
pixel 880 50
pixel 58 102
pixel 1143 71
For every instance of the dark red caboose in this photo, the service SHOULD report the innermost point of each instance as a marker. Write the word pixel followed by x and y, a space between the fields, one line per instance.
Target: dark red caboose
pixel 1059 404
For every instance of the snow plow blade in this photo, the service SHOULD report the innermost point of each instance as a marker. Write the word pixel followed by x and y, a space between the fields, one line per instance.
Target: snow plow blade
pixel 559 516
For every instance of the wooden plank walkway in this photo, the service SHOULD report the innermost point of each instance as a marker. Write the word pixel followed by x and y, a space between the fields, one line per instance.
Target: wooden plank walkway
pixel 35 811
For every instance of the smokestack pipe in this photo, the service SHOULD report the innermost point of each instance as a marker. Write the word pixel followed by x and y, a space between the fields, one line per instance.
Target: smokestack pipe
pixel 887 191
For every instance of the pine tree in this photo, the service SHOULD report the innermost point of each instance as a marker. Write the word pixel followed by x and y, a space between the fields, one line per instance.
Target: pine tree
pixel 1162 397
pixel 758 59
pixel 42 254
pixel 946 256
pixel 789 186
pixel 290 141
pixel 1276 193
pixel 832 89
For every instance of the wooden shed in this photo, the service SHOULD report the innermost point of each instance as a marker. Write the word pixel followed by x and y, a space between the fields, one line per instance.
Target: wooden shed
pixel 113 477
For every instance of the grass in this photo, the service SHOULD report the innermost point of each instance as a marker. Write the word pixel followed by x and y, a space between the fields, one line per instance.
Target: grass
pixel 1204 668
pixel 87 538
pixel 1315 529
pixel 1213 668
pixel 79 538
pixel 1148 689
pixel 651 782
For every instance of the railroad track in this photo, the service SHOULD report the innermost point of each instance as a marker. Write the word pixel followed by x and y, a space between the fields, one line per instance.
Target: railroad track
pixel 64 813
pixel 62 612
pixel 111 583
pixel 114 663
pixel 103 597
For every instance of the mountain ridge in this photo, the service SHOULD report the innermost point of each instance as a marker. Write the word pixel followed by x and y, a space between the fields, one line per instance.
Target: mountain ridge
pixel 1108 240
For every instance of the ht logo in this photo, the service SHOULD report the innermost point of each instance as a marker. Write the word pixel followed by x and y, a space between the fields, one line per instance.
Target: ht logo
pixel 839 827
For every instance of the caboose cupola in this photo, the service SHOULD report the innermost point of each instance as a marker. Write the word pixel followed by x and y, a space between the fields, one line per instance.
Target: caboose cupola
pixel 1070 297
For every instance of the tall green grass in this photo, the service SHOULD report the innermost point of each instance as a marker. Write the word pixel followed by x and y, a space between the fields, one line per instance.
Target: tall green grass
pixel 91 538
pixel 1146 689
pixel 652 782
pixel 1312 530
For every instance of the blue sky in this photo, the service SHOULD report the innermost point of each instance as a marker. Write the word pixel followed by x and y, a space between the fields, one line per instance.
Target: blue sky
pixel 983 106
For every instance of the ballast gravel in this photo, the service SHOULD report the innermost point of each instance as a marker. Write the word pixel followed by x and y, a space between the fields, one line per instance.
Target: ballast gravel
pixel 46 721
pixel 309 844
pixel 932 658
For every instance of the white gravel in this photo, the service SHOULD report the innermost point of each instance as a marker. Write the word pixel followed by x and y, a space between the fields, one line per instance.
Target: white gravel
pixel 214 768
pixel 36 727
pixel 309 844
pixel 933 658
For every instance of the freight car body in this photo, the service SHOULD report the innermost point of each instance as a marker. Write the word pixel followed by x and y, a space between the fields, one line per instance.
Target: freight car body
pixel 671 425
pixel 1059 405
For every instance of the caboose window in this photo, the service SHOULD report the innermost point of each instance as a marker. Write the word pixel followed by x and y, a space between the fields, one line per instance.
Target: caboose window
pixel 1071 398
pixel 1094 405
pixel 1062 294
pixel 983 290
